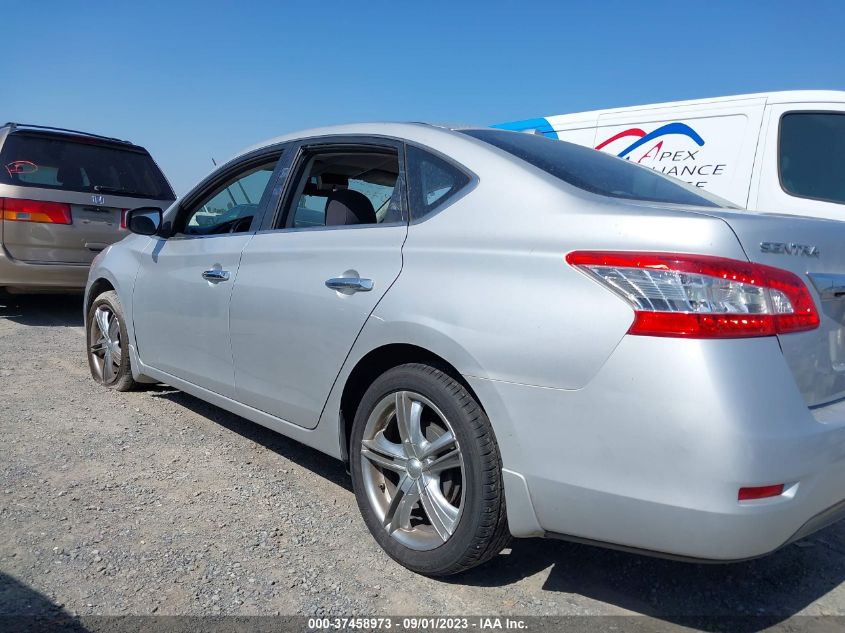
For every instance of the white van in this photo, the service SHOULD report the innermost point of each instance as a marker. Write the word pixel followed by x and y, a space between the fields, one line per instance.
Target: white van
pixel 779 152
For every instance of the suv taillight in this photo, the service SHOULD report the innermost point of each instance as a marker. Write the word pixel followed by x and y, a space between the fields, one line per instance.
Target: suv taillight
pixel 35 211
pixel 698 296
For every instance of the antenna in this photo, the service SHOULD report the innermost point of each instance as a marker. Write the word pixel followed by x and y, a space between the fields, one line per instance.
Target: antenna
pixel 234 202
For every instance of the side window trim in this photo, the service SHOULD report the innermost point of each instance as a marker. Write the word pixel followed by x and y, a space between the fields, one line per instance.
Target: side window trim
pixel 443 204
pixel 276 217
pixel 219 177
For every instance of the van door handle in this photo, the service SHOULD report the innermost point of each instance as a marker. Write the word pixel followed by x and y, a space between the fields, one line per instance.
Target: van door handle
pixel 215 275
pixel 349 285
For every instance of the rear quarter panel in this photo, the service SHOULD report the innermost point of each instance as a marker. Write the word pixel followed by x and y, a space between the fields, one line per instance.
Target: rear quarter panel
pixel 485 283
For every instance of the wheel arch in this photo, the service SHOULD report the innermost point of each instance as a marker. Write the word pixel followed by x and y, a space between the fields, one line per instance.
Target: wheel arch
pixel 98 287
pixel 372 365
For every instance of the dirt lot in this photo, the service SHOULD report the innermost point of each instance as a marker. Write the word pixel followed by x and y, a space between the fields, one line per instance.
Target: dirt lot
pixel 155 502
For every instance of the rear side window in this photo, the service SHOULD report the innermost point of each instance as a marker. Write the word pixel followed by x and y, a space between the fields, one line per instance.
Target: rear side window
pixel 30 160
pixel 811 155
pixel 432 181
pixel 594 171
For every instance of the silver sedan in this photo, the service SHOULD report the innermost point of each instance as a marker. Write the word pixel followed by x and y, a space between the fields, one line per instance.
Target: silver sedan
pixel 501 334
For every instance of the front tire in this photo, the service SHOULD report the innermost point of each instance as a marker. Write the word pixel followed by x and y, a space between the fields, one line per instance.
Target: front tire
pixel 427 472
pixel 108 349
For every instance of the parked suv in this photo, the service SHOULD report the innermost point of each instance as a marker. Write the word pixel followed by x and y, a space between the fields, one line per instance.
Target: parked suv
pixel 64 195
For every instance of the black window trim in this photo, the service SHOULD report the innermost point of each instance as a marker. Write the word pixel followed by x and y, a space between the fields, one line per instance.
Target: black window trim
pixel 275 220
pixel 468 188
pixel 780 174
pixel 220 176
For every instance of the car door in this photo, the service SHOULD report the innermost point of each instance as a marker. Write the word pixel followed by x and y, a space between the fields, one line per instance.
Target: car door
pixel 310 279
pixel 185 281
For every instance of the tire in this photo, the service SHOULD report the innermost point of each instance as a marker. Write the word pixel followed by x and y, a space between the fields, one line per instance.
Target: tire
pixel 403 479
pixel 108 360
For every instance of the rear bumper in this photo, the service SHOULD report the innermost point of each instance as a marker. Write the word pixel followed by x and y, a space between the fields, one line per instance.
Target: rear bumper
pixel 17 274
pixel 651 454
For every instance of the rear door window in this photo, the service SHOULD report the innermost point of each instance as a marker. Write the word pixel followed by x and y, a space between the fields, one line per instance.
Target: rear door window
pixel 52 162
pixel 363 183
pixel 811 155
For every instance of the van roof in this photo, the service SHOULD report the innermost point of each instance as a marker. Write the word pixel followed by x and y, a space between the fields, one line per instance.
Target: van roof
pixel 25 127
pixel 784 96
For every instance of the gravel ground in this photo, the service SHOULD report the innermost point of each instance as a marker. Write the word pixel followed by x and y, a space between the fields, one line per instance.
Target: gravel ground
pixel 156 502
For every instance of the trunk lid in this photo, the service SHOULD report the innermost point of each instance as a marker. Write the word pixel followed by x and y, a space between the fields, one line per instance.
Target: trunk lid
pixel 813 249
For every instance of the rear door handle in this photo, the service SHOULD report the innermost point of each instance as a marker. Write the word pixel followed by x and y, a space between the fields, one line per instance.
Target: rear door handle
pixel 349 285
pixel 214 275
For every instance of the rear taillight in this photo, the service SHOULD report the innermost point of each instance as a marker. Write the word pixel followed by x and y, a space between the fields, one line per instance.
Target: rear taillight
pixel 698 296
pixel 35 211
pixel 123 213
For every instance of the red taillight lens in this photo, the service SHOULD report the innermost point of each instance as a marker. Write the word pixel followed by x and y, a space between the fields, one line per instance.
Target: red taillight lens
pixel 760 492
pixel 698 296
pixel 35 211
pixel 123 213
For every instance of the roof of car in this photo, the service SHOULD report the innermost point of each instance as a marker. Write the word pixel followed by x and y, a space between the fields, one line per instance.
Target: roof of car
pixel 409 131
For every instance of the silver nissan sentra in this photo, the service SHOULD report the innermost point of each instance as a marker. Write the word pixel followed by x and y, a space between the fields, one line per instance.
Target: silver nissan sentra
pixel 502 334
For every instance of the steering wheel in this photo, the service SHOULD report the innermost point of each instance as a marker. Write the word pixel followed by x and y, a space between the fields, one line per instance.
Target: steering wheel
pixel 232 226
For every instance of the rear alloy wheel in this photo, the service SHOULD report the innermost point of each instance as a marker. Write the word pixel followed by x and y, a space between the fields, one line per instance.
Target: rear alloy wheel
pixel 427 472
pixel 108 357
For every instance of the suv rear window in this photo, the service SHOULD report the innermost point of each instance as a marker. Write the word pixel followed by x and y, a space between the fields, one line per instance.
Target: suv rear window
pixel 51 162
pixel 593 171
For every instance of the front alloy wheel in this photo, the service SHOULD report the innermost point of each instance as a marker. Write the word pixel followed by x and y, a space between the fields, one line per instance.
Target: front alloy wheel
pixel 104 344
pixel 108 357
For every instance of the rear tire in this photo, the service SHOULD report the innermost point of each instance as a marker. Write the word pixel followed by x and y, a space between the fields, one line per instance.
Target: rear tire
pixel 108 349
pixel 432 494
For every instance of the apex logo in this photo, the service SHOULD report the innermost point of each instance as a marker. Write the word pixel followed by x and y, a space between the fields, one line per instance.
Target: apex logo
pixel 790 248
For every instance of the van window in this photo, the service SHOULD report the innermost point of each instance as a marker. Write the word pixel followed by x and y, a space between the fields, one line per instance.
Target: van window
pixel 811 155
pixel 59 162
pixel 594 171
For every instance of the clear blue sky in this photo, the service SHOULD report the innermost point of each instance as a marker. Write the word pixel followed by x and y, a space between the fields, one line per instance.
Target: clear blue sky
pixel 192 80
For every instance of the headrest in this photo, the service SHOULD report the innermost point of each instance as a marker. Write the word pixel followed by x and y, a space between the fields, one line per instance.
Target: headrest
pixel 347 206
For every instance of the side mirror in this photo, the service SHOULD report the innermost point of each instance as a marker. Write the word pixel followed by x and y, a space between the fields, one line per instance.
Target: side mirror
pixel 144 220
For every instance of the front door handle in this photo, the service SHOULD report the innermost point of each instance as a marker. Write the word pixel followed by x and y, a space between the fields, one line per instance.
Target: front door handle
pixel 215 275
pixel 349 285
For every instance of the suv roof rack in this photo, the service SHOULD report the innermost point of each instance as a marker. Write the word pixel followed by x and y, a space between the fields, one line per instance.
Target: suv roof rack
pixel 12 126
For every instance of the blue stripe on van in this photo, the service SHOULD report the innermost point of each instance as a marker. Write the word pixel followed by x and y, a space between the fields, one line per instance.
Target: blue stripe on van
pixel 540 125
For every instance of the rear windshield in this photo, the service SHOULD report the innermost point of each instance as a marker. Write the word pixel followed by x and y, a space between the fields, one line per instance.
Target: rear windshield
pixel 811 155
pixel 594 171
pixel 31 160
